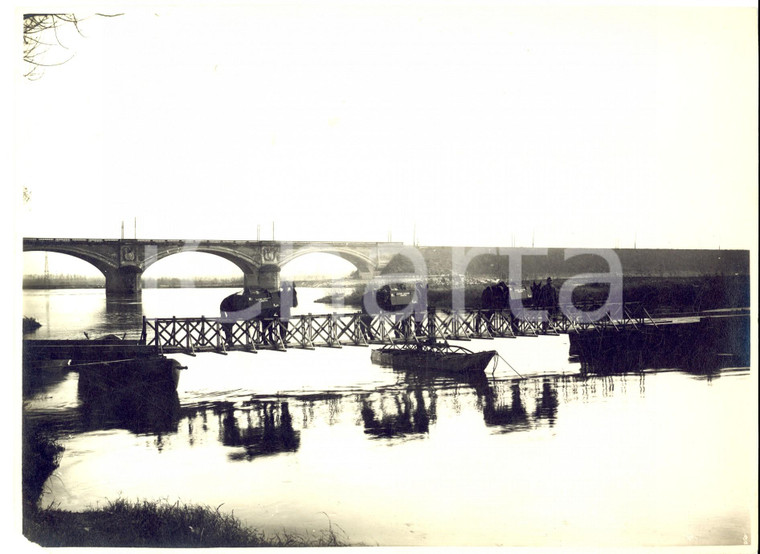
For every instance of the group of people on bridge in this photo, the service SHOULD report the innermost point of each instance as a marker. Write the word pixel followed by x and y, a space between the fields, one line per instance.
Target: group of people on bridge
pixel 544 296
pixel 273 308
pixel 496 297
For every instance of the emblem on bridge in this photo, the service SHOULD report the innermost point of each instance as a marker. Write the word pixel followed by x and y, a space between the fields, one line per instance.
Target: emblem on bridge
pixel 128 253
pixel 270 254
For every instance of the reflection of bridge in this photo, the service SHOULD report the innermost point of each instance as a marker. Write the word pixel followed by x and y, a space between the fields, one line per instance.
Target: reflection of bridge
pixel 124 261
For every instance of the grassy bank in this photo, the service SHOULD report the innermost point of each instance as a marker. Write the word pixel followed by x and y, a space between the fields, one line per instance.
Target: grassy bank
pixel 156 524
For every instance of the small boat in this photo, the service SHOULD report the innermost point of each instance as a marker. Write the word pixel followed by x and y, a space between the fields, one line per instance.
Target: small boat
pixel 151 371
pixel 138 394
pixel 434 356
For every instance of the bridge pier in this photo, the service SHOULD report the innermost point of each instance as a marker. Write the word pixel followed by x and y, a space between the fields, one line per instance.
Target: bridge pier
pixel 269 277
pixel 250 280
pixel 124 282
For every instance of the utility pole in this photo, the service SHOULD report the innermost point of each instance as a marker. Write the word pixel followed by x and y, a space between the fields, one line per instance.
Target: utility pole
pixel 47 272
pixel 258 231
pixel 273 230
pixel 135 227
pixel 122 229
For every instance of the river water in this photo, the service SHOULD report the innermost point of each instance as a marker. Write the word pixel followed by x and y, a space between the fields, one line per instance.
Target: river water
pixel 302 440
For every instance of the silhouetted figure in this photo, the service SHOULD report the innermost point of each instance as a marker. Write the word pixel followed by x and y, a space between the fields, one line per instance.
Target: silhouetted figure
pixel 535 293
pixel 288 300
pixel 366 317
pixel 549 296
pixel 494 297
pixel 420 307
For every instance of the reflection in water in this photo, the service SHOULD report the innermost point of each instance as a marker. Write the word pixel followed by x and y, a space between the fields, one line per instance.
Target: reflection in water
pixel 140 405
pixel 39 375
pixel 546 407
pixel 501 402
pixel 263 426
pixel 510 416
pixel 266 428
pixel 124 311
pixel 123 318
pixel 311 402
pixel 408 414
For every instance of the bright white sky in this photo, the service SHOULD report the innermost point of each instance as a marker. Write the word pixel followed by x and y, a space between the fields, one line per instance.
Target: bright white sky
pixel 481 123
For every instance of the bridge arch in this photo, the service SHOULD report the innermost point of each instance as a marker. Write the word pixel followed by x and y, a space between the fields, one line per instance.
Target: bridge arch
pixel 100 261
pixel 119 280
pixel 245 259
pixel 363 263
pixel 191 267
pixel 155 254
pixel 123 261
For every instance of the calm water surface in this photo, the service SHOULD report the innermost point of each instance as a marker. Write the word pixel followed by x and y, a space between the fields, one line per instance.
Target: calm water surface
pixel 299 440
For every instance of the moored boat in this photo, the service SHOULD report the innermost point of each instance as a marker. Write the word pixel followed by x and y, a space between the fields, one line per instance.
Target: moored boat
pixel 432 356
pixel 152 371
pixel 139 394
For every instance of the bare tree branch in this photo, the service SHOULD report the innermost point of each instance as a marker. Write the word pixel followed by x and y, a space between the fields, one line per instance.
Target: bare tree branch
pixel 37 25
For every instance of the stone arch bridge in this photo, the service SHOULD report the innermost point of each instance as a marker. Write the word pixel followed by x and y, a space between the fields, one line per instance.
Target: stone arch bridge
pixel 123 261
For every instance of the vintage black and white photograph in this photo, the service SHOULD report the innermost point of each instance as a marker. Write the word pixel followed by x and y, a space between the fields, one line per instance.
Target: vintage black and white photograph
pixel 378 273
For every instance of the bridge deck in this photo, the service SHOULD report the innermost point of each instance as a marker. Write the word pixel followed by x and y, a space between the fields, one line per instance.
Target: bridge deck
pixel 203 334
pixel 85 350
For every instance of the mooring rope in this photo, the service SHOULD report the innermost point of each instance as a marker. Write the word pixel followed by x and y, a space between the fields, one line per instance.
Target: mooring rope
pixel 506 362
pixel 102 362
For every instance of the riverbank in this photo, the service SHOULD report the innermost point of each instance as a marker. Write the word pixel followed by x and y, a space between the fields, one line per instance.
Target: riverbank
pixel 123 523
pixel 157 524
pixel 658 295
